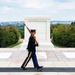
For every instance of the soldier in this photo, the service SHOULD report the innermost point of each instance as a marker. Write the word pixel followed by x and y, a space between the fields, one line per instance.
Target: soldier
pixel 31 52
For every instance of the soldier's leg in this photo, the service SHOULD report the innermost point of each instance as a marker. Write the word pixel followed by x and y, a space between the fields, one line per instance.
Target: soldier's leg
pixel 27 59
pixel 35 61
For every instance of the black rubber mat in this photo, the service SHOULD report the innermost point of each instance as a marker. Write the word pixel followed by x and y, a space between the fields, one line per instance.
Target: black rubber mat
pixel 45 69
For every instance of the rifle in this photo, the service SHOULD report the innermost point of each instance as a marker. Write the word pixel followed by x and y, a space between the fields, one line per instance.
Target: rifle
pixel 31 33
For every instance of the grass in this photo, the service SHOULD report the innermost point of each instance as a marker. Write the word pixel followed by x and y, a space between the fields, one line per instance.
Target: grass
pixel 14 45
pixel 58 45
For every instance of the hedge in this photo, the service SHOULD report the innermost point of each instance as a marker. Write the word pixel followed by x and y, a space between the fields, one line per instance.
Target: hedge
pixel 9 36
pixel 64 35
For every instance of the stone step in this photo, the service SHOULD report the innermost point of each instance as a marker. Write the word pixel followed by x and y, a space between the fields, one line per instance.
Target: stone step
pixel 42 46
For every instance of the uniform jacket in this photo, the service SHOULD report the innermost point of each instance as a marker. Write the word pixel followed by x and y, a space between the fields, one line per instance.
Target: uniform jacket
pixel 31 45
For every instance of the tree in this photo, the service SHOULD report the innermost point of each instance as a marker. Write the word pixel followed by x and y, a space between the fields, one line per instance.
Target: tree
pixel 73 23
pixel 64 35
pixel 9 36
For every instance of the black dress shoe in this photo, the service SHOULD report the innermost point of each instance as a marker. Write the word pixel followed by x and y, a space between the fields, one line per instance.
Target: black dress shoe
pixel 39 67
pixel 23 68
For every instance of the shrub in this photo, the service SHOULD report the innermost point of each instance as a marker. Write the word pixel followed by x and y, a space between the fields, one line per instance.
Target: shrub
pixel 9 36
pixel 64 35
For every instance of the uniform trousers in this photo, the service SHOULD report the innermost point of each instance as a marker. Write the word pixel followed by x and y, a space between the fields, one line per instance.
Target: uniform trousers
pixel 28 58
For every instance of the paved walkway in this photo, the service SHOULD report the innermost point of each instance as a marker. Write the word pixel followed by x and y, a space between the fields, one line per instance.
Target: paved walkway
pixel 60 57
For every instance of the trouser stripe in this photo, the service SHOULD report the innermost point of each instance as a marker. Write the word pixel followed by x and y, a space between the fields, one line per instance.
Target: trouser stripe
pixel 28 59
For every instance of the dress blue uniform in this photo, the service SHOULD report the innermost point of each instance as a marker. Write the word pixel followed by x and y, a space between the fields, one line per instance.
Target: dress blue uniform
pixel 31 53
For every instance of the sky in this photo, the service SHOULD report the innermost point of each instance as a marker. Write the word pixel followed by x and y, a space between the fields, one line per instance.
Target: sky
pixel 16 10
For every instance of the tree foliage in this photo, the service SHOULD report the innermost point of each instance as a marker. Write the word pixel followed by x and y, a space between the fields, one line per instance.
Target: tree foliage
pixel 73 23
pixel 64 35
pixel 9 36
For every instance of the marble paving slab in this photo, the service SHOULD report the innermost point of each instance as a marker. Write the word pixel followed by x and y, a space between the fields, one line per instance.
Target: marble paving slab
pixel 5 55
pixel 69 54
pixel 41 55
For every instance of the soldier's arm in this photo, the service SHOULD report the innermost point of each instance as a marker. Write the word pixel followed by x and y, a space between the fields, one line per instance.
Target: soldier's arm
pixel 31 34
pixel 36 43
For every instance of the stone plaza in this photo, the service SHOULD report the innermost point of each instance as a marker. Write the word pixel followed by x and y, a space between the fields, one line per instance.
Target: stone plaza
pixel 48 55
pixel 58 58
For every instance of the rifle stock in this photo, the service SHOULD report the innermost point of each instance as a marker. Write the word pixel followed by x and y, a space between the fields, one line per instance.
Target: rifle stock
pixel 31 34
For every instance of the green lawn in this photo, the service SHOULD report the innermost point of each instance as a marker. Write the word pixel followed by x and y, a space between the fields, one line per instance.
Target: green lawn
pixel 14 45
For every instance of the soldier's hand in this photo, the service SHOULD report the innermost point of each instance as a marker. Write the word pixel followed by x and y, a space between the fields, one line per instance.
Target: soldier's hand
pixel 34 37
pixel 24 24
